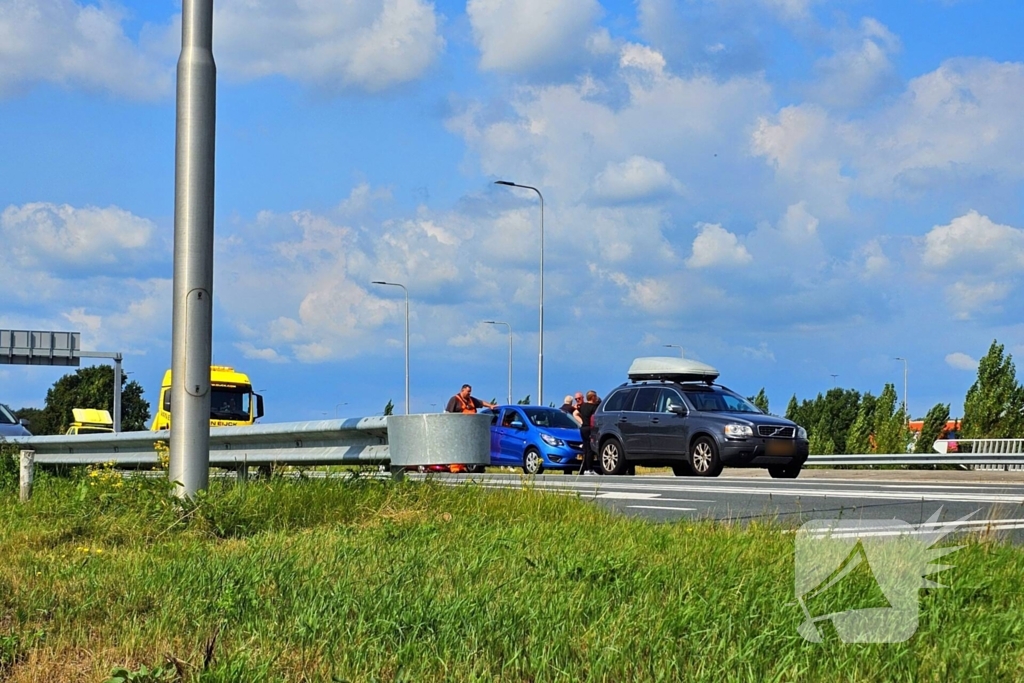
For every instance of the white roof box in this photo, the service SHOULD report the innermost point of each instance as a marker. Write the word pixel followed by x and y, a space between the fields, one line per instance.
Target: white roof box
pixel 673 369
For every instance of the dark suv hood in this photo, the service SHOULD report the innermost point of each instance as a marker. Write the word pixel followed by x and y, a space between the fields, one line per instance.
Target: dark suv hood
pixel 752 418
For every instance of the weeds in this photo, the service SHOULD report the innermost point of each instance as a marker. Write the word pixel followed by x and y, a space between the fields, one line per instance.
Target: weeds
pixel 369 580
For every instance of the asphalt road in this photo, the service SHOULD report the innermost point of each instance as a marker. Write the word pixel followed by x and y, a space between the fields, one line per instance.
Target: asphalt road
pixel 993 502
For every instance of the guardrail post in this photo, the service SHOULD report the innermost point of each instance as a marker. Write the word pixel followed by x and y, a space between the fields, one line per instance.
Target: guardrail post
pixel 242 473
pixel 28 466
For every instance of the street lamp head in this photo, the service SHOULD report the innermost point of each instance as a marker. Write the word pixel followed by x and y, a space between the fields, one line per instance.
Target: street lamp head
pixel 504 182
pixel 378 282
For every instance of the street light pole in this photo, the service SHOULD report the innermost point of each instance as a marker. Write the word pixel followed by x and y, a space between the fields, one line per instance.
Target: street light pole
pixel 336 406
pixel 835 381
pixel 675 346
pixel 906 409
pixel 395 284
pixel 540 350
pixel 498 322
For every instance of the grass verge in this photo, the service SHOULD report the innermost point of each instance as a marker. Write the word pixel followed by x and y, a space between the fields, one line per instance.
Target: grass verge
pixel 363 580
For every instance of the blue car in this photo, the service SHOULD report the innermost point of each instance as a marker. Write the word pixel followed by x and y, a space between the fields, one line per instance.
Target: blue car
pixel 535 438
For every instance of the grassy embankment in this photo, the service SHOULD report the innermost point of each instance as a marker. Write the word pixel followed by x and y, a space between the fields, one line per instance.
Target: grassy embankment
pixel 375 581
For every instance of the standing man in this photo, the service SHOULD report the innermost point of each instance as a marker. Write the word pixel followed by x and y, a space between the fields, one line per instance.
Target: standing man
pixel 465 402
pixel 585 412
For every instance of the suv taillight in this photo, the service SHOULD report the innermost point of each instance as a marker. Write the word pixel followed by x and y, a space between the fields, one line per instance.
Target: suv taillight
pixel 592 421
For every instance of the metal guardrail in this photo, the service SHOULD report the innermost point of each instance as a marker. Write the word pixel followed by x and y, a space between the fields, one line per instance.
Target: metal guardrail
pixel 974 448
pixel 323 442
pixel 924 459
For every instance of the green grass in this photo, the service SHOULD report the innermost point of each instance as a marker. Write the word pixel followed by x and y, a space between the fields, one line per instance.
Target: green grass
pixel 363 580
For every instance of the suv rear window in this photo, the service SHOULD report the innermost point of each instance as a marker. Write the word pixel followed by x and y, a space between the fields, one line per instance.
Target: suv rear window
pixel 620 400
pixel 646 400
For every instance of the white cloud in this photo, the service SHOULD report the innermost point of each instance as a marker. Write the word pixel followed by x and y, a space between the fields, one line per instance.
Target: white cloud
pixel 328 44
pixel 716 246
pixel 956 123
pixel 968 298
pixel 974 241
pixel 874 262
pixel 54 237
pixel 267 354
pixel 961 361
pixel 531 35
pixel 635 179
pixel 790 9
pixel 77 46
pixel 860 70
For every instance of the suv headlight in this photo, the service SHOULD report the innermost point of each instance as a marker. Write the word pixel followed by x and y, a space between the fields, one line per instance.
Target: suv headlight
pixel 801 433
pixel 739 431
pixel 551 441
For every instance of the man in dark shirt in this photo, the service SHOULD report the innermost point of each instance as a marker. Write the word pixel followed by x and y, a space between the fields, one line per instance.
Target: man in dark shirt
pixel 465 402
pixel 585 411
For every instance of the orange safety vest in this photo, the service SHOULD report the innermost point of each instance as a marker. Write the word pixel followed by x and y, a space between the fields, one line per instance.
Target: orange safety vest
pixel 467 406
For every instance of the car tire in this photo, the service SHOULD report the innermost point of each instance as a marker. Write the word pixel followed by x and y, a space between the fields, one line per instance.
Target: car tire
pixel 476 469
pixel 533 462
pixel 682 470
pixel 612 457
pixel 784 471
pixel 703 459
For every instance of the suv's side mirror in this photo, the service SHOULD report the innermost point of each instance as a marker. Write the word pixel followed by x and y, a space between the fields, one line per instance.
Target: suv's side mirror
pixel 24 422
pixel 677 409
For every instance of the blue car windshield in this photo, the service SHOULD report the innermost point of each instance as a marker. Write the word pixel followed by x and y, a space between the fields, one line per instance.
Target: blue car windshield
pixel 715 400
pixel 550 417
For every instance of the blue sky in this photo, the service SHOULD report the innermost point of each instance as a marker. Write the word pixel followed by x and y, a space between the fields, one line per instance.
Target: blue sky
pixel 789 189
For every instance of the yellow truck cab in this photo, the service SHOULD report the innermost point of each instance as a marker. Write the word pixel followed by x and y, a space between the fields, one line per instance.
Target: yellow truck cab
pixel 232 401
pixel 91 421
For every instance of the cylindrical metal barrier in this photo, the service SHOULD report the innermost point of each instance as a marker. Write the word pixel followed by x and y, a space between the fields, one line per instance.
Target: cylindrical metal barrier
pixel 439 439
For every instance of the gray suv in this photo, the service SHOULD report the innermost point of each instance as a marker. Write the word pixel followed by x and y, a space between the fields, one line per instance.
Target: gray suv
pixel 694 427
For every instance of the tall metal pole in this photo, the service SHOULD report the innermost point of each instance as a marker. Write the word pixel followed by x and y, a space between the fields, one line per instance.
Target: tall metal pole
pixel 498 322
pixel 117 393
pixel 676 346
pixel 906 409
pixel 395 284
pixel 192 334
pixel 540 342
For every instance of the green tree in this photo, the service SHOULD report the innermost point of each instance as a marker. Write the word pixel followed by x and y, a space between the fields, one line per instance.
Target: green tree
pixel 994 403
pixel 890 427
pixel 858 439
pixel 524 401
pixel 933 428
pixel 761 401
pixel 92 387
pixel 389 409
pixel 792 408
pixel 836 413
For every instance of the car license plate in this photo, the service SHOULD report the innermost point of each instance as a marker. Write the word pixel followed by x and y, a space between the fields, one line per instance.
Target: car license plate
pixel 779 447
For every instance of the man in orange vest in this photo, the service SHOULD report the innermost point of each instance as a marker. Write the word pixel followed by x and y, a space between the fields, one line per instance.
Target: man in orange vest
pixel 465 402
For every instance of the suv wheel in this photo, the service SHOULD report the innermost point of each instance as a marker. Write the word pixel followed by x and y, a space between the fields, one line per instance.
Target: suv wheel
pixel 784 471
pixel 613 458
pixel 704 458
pixel 532 462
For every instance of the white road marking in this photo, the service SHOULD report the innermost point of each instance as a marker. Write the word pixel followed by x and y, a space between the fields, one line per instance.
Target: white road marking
pixel 626 495
pixel 659 507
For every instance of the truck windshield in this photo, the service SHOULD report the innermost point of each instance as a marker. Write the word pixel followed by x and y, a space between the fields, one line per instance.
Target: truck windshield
pixel 229 403
pixel 226 403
